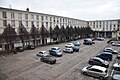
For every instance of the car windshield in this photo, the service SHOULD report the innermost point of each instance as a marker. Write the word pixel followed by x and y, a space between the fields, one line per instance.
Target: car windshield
pixel 69 44
pixel 89 67
pixel 53 48
pixel 58 49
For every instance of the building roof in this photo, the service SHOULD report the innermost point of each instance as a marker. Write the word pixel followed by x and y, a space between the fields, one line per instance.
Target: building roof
pixel 37 13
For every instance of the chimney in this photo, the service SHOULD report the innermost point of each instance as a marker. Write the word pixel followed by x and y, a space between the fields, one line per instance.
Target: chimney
pixel 27 9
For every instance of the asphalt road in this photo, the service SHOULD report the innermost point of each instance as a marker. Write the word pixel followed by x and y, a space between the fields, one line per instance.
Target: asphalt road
pixel 27 66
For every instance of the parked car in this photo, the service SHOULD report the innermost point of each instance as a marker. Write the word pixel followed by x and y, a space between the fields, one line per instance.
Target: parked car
pixel 100 38
pixel 108 49
pixel 116 44
pixel 118 56
pixel 98 61
pixel 42 53
pixel 88 41
pixel 49 59
pixel 19 49
pixel 116 66
pixel 116 77
pixel 95 71
pixel 55 51
pixel 71 45
pixel 68 50
pixel 76 43
pixel 30 47
pixel 105 56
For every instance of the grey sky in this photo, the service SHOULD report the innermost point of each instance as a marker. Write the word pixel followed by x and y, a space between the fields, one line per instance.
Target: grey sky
pixel 79 9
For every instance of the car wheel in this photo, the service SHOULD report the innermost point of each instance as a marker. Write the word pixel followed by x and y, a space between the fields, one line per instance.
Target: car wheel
pixel 90 63
pixel 77 50
pixel 117 69
pixel 41 59
pixel 101 78
pixel 84 73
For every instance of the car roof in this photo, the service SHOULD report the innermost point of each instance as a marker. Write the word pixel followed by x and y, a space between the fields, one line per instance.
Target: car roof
pixel 116 76
pixel 105 53
pixel 67 48
pixel 99 68
pixel 43 51
pixel 108 48
pixel 69 43
pixel 96 58
pixel 55 47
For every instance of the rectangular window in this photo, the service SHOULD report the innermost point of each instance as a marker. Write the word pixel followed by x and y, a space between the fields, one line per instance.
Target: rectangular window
pixel 26 16
pixel 114 27
pixel 46 18
pixel 60 20
pixel 32 17
pixel 51 24
pixel 20 16
pixel 12 15
pixel 37 17
pixel 26 24
pixel 32 22
pixel 4 23
pixel 42 23
pixel 20 23
pixel 46 25
pixel 13 23
pixel 42 18
pixel 54 19
pixel 37 23
pixel 4 14
pixel 63 20
pixel 50 18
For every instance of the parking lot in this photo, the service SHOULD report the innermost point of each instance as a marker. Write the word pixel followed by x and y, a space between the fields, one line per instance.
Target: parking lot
pixel 27 66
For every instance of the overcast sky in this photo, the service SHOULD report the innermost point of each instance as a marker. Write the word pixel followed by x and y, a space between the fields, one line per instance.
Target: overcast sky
pixel 79 9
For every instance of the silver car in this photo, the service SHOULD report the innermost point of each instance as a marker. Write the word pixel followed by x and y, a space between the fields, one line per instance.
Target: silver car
pixel 116 66
pixel 42 53
pixel 55 51
pixel 68 50
pixel 95 71
pixel 109 49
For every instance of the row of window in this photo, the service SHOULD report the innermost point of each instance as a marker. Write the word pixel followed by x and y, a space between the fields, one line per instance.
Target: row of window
pixel 107 27
pixel 46 24
pixel 43 18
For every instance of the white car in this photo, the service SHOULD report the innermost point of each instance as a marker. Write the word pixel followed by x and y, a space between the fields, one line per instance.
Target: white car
pixel 109 49
pixel 68 50
pixel 116 44
pixel 69 45
pixel 95 71
pixel 42 53
pixel 116 66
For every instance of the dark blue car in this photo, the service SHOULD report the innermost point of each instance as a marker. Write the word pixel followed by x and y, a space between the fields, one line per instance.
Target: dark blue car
pixel 105 56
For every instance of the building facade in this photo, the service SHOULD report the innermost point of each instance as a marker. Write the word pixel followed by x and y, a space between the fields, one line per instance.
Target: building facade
pixel 27 18
pixel 18 18
pixel 105 28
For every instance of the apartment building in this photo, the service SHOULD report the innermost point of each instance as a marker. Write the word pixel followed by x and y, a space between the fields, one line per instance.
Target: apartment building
pixel 105 28
pixel 17 18
pixel 27 18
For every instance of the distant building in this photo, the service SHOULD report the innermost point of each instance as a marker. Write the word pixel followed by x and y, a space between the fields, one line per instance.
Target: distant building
pixel 105 28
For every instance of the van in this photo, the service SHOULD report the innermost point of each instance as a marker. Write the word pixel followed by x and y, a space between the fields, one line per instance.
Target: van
pixel 105 56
